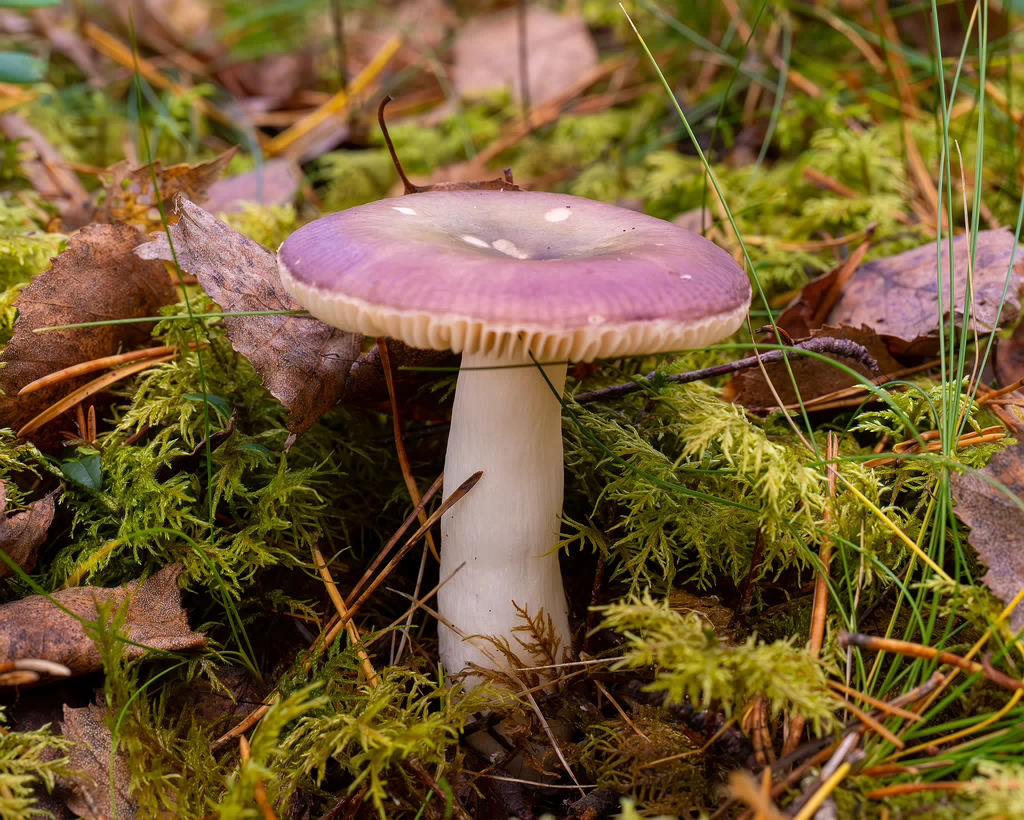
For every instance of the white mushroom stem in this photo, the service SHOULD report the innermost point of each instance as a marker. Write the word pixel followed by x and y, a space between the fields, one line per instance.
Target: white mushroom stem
pixel 506 422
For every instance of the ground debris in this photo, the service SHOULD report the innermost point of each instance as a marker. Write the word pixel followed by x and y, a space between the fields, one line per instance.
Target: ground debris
pixel 23 533
pixel 89 793
pixel 997 524
pixel 38 628
pixel 97 278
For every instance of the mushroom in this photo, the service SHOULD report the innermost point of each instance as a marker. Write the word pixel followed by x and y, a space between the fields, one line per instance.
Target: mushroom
pixel 519 283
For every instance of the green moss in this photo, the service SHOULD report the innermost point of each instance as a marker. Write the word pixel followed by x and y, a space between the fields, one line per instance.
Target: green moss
pixel 28 761
pixel 692 663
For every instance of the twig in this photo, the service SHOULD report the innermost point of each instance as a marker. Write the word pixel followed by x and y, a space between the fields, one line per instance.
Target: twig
pixel 826 345
pixel 259 792
pixel 995 394
pixel 916 650
pixel 338 16
pixel 351 628
pixel 524 59
pixel 449 502
pixel 819 610
pixel 338 102
pixel 371 570
pixel 247 723
pixel 86 390
pixel 881 705
pixel 418 769
pixel 410 481
pixel 82 368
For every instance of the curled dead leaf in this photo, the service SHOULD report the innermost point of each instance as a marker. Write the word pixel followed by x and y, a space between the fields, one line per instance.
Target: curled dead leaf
pixel 37 628
pixel 23 533
pixel 303 362
pixel 98 277
pixel 130 196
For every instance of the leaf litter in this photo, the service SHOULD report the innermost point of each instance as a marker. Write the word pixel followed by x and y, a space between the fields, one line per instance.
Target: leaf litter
pixel 23 533
pixel 39 628
pixel 97 278
pixel 606 147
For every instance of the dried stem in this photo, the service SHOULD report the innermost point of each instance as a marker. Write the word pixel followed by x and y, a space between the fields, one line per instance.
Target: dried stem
pixel 826 345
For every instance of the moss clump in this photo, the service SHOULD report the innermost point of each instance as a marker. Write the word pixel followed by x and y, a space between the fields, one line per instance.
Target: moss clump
pixel 28 761
pixel 692 663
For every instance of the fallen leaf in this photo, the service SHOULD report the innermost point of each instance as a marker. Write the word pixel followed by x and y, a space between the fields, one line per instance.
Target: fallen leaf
pixel 997 524
pixel 898 296
pixel 89 792
pixel 559 52
pixel 814 377
pixel 97 278
pixel 797 318
pixel 303 362
pixel 235 694
pixel 130 196
pixel 23 533
pixel 276 182
pixel 45 169
pixel 35 627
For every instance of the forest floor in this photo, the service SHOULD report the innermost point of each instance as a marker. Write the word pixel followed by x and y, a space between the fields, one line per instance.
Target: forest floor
pixel 792 583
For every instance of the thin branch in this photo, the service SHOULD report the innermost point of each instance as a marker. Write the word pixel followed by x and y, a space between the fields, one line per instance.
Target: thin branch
pixel 826 345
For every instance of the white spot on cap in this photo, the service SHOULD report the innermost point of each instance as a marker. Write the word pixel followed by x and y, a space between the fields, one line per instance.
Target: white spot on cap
pixel 406 211
pixel 509 248
pixel 558 214
pixel 685 277
pixel 596 319
pixel 475 240
pixel 659 244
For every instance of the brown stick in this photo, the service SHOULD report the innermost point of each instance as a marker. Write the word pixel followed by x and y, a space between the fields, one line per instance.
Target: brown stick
pixel 449 502
pixel 819 609
pixel 371 570
pixel 351 628
pixel 92 366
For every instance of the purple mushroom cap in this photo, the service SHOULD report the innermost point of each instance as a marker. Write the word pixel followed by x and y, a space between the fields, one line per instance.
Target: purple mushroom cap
pixel 477 270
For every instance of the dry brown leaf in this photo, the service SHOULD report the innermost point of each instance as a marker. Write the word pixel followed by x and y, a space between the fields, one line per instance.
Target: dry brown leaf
pixel 303 362
pixel 276 182
pixel 997 525
pixel 813 376
pixel 559 47
pixel 130 196
pixel 23 533
pixel 898 296
pixel 98 277
pixel 89 793
pixel 37 628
